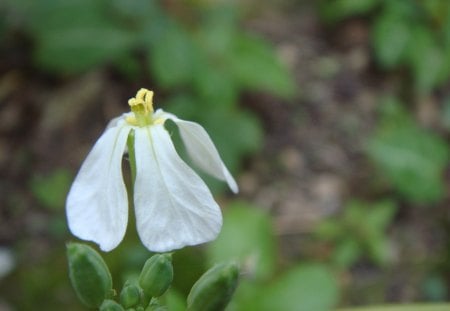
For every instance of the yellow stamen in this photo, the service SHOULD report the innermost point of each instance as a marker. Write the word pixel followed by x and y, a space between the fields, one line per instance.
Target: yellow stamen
pixel 142 107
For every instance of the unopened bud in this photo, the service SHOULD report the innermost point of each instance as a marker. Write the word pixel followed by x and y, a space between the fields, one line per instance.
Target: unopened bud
pixel 111 305
pixel 89 274
pixel 157 275
pixel 130 295
pixel 214 289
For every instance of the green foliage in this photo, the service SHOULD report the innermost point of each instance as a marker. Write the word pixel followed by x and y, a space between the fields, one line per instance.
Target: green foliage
pixel 302 288
pixel 74 36
pixel 412 158
pixel 446 114
pixel 411 34
pixel 335 10
pixel 51 190
pixel 359 231
pixel 253 66
pixel 391 36
pixel 247 236
pixel 208 62
pixel 174 57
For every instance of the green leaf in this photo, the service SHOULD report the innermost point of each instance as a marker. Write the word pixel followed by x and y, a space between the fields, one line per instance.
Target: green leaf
pixel 328 229
pixel 76 35
pixel 216 87
pixel 51 190
pixel 78 49
pixel 427 59
pixel 334 10
pixel 306 287
pixel 391 35
pixel 437 9
pixel 446 113
pixel 174 300
pixel 379 215
pixel 347 252
pixel 254 65
pixel 173 58
pixel 246 236
pixel 412 158
pixel 233 147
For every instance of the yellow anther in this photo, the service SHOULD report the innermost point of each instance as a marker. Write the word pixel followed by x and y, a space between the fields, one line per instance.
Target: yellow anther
pixel 142 102
pixel 142 107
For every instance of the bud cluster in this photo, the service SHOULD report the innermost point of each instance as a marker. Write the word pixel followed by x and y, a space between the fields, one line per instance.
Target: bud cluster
pixel 91 279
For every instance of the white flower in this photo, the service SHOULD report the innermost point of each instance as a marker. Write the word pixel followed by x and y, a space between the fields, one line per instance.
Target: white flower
pixel 174 207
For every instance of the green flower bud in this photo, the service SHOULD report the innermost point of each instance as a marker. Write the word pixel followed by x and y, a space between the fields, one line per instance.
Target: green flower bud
pixel 89 274
pixel 157 275
pixel 111 305
pixel 130 295
pixel 213 291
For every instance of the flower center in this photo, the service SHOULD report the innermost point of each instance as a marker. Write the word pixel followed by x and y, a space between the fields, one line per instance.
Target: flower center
pixel 142 107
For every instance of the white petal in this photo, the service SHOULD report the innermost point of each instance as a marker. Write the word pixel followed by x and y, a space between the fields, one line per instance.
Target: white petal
pixel 174 207
pixel 97 204
pixel 203 152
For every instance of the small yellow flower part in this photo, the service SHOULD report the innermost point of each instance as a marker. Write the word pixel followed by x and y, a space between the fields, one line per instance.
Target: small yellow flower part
pixel 142 107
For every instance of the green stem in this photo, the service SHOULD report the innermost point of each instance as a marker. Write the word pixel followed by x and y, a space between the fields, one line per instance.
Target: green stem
pixel 132 157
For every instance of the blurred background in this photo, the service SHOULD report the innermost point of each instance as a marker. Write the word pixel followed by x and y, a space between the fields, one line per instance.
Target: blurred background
pixel 333 115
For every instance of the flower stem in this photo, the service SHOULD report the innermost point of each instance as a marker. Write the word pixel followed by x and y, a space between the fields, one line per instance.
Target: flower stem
pixel 132 156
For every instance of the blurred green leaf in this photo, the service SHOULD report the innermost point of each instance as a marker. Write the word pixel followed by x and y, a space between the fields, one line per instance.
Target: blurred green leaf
pixel 76 50
pixel 347 252
pixel 73 36
pixel 426 59
pixel 435 288
pixel 446 113
pixel 247 292
pixel 233 147
pixel 404 9
pixel 173 57
pixel 379 215
pixel 390 36
pixel 174 300
pixel 254 65
pixel 329 229
pixel 379 249
pixel 335 10
pixel 412 158
pixel 359 231
pixel 437 9
pixel 51 190
pixel 307 287
pixel 216 88
pixel 247 236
